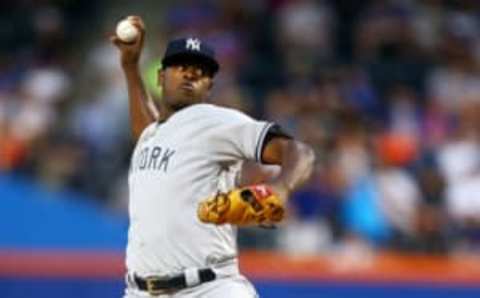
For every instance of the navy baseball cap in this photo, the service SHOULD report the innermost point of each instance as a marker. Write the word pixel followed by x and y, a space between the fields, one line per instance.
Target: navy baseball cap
pixel 191 48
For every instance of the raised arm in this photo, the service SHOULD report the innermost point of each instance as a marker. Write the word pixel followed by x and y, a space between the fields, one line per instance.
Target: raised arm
pixel 142 109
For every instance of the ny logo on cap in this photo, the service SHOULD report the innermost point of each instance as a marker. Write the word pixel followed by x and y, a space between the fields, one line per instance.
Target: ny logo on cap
pixel 193 44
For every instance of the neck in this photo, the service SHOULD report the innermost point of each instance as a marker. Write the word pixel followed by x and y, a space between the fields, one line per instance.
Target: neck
pixel 165 110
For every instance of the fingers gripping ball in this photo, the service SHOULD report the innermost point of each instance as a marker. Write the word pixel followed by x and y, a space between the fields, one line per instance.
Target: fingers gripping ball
pixel 251 205
pixel 126 31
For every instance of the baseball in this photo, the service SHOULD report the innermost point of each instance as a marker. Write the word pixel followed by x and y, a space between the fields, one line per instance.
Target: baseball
pixel 126 31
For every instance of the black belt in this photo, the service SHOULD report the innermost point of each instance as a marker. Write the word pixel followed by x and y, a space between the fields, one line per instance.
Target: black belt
pixel 156 285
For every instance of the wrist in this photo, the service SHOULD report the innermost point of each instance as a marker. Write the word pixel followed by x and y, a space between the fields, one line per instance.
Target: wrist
pixel 129 64
pixel 281 188
pixel 284 184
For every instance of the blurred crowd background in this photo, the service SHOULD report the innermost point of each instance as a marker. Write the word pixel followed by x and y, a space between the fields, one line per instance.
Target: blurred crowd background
pixel 386 91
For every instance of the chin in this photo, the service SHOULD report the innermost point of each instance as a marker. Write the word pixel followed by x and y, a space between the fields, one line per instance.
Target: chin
pixel 184 102
pixel 179 105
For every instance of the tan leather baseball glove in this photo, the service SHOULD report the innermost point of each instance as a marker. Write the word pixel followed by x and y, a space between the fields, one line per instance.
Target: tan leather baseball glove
pixel 246 206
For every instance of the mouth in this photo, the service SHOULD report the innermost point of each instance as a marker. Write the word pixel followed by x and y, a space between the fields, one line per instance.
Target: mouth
pixel 188 87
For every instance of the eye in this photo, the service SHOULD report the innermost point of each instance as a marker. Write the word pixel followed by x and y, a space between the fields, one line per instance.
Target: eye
pixel 178 67
pixel 199 72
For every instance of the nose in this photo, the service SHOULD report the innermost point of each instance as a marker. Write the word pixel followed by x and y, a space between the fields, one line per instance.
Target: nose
pixel 189 73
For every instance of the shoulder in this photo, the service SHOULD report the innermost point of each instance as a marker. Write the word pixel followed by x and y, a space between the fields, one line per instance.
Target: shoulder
pixel 217 113
pixel 147 132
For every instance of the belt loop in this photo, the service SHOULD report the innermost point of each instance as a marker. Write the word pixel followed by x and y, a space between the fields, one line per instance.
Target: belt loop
pixel 129 281
pixel 192 277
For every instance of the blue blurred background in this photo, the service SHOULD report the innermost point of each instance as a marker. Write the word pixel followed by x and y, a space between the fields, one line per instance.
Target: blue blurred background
pixel 387 92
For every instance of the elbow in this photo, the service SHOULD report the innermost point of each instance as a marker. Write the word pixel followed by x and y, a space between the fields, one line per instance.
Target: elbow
pixel 309 158
pixel 305 162
pixel 305 158
pixel 136 132
pixel 307 154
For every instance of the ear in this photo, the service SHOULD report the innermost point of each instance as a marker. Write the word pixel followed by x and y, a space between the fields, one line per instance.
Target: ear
pixel 209 89
pixel 210 84
pixel 160 77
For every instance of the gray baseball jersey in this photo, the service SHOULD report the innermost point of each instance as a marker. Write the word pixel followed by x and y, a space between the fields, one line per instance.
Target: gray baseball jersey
pixel 175 165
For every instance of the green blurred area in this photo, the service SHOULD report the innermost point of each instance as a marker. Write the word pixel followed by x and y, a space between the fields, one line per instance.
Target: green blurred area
pixel 150 78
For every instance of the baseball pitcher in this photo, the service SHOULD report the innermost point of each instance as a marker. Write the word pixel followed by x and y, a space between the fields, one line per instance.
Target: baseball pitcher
pixel 197 173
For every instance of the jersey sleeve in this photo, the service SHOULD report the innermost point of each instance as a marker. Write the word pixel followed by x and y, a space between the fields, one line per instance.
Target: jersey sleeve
pixel 240 136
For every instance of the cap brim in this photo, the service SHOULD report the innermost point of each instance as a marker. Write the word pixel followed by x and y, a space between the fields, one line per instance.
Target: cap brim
pixel 210 63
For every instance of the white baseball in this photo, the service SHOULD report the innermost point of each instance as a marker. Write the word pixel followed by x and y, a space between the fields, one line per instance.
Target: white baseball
pixel 126 31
